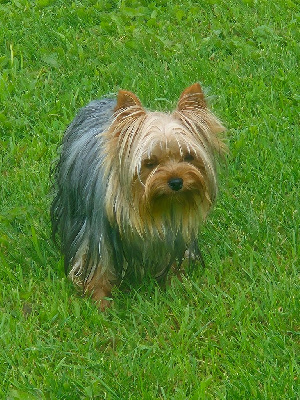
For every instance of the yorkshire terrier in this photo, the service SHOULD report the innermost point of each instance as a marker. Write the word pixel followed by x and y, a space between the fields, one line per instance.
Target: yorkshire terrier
pixel 133 188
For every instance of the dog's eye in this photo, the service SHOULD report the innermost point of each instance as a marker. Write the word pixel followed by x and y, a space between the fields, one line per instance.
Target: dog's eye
pixel 188 157
pixel 151 163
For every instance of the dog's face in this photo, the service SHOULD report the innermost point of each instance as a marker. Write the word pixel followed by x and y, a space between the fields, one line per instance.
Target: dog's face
pixel 170 180
pixel 164 162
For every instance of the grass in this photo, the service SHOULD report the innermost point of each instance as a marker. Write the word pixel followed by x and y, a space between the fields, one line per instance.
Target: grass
pixel 227 332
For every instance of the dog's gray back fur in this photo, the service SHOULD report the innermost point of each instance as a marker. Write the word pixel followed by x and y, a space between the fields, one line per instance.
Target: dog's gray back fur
pixel 77 211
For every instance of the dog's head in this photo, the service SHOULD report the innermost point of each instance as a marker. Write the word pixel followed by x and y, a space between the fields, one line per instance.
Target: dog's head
pixel 164 162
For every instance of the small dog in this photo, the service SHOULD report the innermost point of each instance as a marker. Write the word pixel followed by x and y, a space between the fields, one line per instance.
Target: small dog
pixel 133 187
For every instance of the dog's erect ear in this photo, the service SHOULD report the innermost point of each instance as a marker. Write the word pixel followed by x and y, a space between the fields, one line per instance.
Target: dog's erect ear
pixel 126 100
pixel 128 111
pixel 191 98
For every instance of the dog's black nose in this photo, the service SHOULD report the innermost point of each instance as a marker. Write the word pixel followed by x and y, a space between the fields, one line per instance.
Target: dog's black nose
pixel 175 184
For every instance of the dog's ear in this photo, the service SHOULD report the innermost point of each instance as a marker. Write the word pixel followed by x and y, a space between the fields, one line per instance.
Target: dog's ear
pixel 128 112
pixel 191 98
pixel 127 100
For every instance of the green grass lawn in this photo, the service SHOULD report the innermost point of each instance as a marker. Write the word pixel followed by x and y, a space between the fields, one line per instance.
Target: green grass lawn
pixel 229 331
